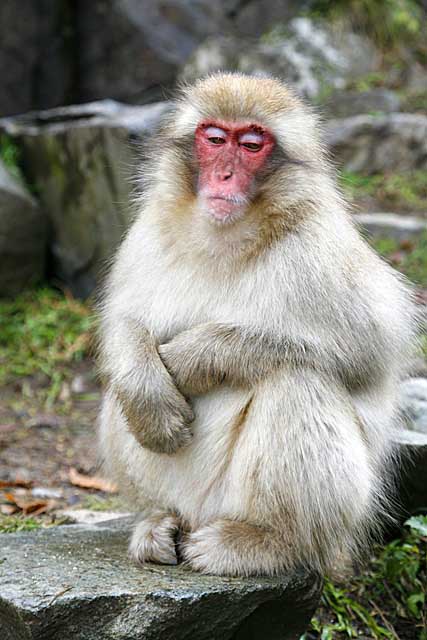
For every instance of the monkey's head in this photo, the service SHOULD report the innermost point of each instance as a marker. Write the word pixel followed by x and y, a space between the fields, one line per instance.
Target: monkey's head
pixel 238 148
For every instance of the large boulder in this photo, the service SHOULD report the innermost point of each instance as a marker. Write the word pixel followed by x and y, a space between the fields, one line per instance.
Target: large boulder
pixel 311 56
pixel 23 236
pixel 76 582
pixel 80 161
pixel 36 54
pixel 345 103
pixel 375 144
pixel 130 50
pixel 63 51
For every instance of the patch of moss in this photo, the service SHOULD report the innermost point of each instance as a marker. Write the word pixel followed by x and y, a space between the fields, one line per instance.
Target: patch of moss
pixel 10 155
pixel 42 331
pixel 398 191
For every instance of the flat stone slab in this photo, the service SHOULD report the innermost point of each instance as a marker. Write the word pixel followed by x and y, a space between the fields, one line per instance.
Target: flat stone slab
pixel 75 582
pixel 391 225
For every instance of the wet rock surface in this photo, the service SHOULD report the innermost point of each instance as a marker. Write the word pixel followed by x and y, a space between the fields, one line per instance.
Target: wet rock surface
pixel 81 160
pixel 76 582
pixel 374 144
pixel 23 236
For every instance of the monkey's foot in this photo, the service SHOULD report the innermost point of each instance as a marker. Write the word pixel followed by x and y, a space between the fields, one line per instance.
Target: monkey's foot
pixel 153 539
pixel 228 547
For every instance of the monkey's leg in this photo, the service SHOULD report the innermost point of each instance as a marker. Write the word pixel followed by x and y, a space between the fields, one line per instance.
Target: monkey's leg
pixel 230 547
pixel 153 539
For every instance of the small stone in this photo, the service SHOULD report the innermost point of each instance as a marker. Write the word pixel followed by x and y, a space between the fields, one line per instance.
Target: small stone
pixel 46 492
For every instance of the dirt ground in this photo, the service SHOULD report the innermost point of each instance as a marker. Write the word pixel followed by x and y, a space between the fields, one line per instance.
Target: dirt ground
pixel 43 450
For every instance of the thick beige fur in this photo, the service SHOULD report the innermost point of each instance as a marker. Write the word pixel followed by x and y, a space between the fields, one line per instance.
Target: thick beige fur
pixel 282 334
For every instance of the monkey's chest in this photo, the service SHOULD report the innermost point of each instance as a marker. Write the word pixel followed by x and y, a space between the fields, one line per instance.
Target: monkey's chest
pixel 183 299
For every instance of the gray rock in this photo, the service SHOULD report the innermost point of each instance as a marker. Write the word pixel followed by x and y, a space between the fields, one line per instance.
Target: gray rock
pixel 374 144
pixel 76 582
pixel 342 104
pixel 309 55
pixel 130 50
pixel 413 482
pixel 23 236
pixel 81 161
pixel 87 516
pixel 414 403
pixel 391 225
pixel 36 57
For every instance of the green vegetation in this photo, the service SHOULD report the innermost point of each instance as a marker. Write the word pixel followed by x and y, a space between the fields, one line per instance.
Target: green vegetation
pixel 390 23
pixel 388 600
pixel 415 102
pixel 402 191
pixel 10 155
pixel 107 503
pixel 42 331
pixel 408 257
pixel 10 524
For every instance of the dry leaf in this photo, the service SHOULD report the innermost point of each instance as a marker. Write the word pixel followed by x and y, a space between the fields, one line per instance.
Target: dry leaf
pixel 8 509
pixel 18 482
pixel 35 507
pixel 90 482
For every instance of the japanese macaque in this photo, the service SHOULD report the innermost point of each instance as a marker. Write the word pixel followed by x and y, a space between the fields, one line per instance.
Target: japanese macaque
pixel 252 344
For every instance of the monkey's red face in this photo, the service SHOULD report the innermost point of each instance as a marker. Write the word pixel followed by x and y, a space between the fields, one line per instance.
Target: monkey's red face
pixel 230 156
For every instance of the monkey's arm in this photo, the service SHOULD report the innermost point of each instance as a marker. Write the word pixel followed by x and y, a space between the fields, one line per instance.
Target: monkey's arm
pixel 208 354
pixel 157 413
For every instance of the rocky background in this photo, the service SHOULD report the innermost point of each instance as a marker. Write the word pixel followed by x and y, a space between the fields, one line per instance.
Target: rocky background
pixel 84 85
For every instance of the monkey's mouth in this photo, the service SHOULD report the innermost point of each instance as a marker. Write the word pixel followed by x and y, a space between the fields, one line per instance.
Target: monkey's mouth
pixel 226 208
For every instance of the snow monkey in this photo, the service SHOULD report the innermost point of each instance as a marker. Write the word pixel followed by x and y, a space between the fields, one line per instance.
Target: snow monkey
pixel 251 342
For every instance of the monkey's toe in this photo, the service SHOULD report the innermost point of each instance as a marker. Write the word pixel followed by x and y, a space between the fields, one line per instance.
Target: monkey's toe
pixel 232 548
pixel 153 539
pixel 202 551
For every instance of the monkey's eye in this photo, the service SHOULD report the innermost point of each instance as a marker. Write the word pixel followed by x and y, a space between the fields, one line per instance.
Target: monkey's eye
pixel 215 135
pixel 251 140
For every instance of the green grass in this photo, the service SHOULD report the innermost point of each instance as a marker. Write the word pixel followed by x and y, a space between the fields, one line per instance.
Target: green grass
pixel 42 331
pixel 11 524
pixel 405 191
pixel 387 600
pixel 409 257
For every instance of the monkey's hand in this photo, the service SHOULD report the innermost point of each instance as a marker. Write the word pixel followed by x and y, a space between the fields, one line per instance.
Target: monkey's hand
pixel 207 355
pixel 158 415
